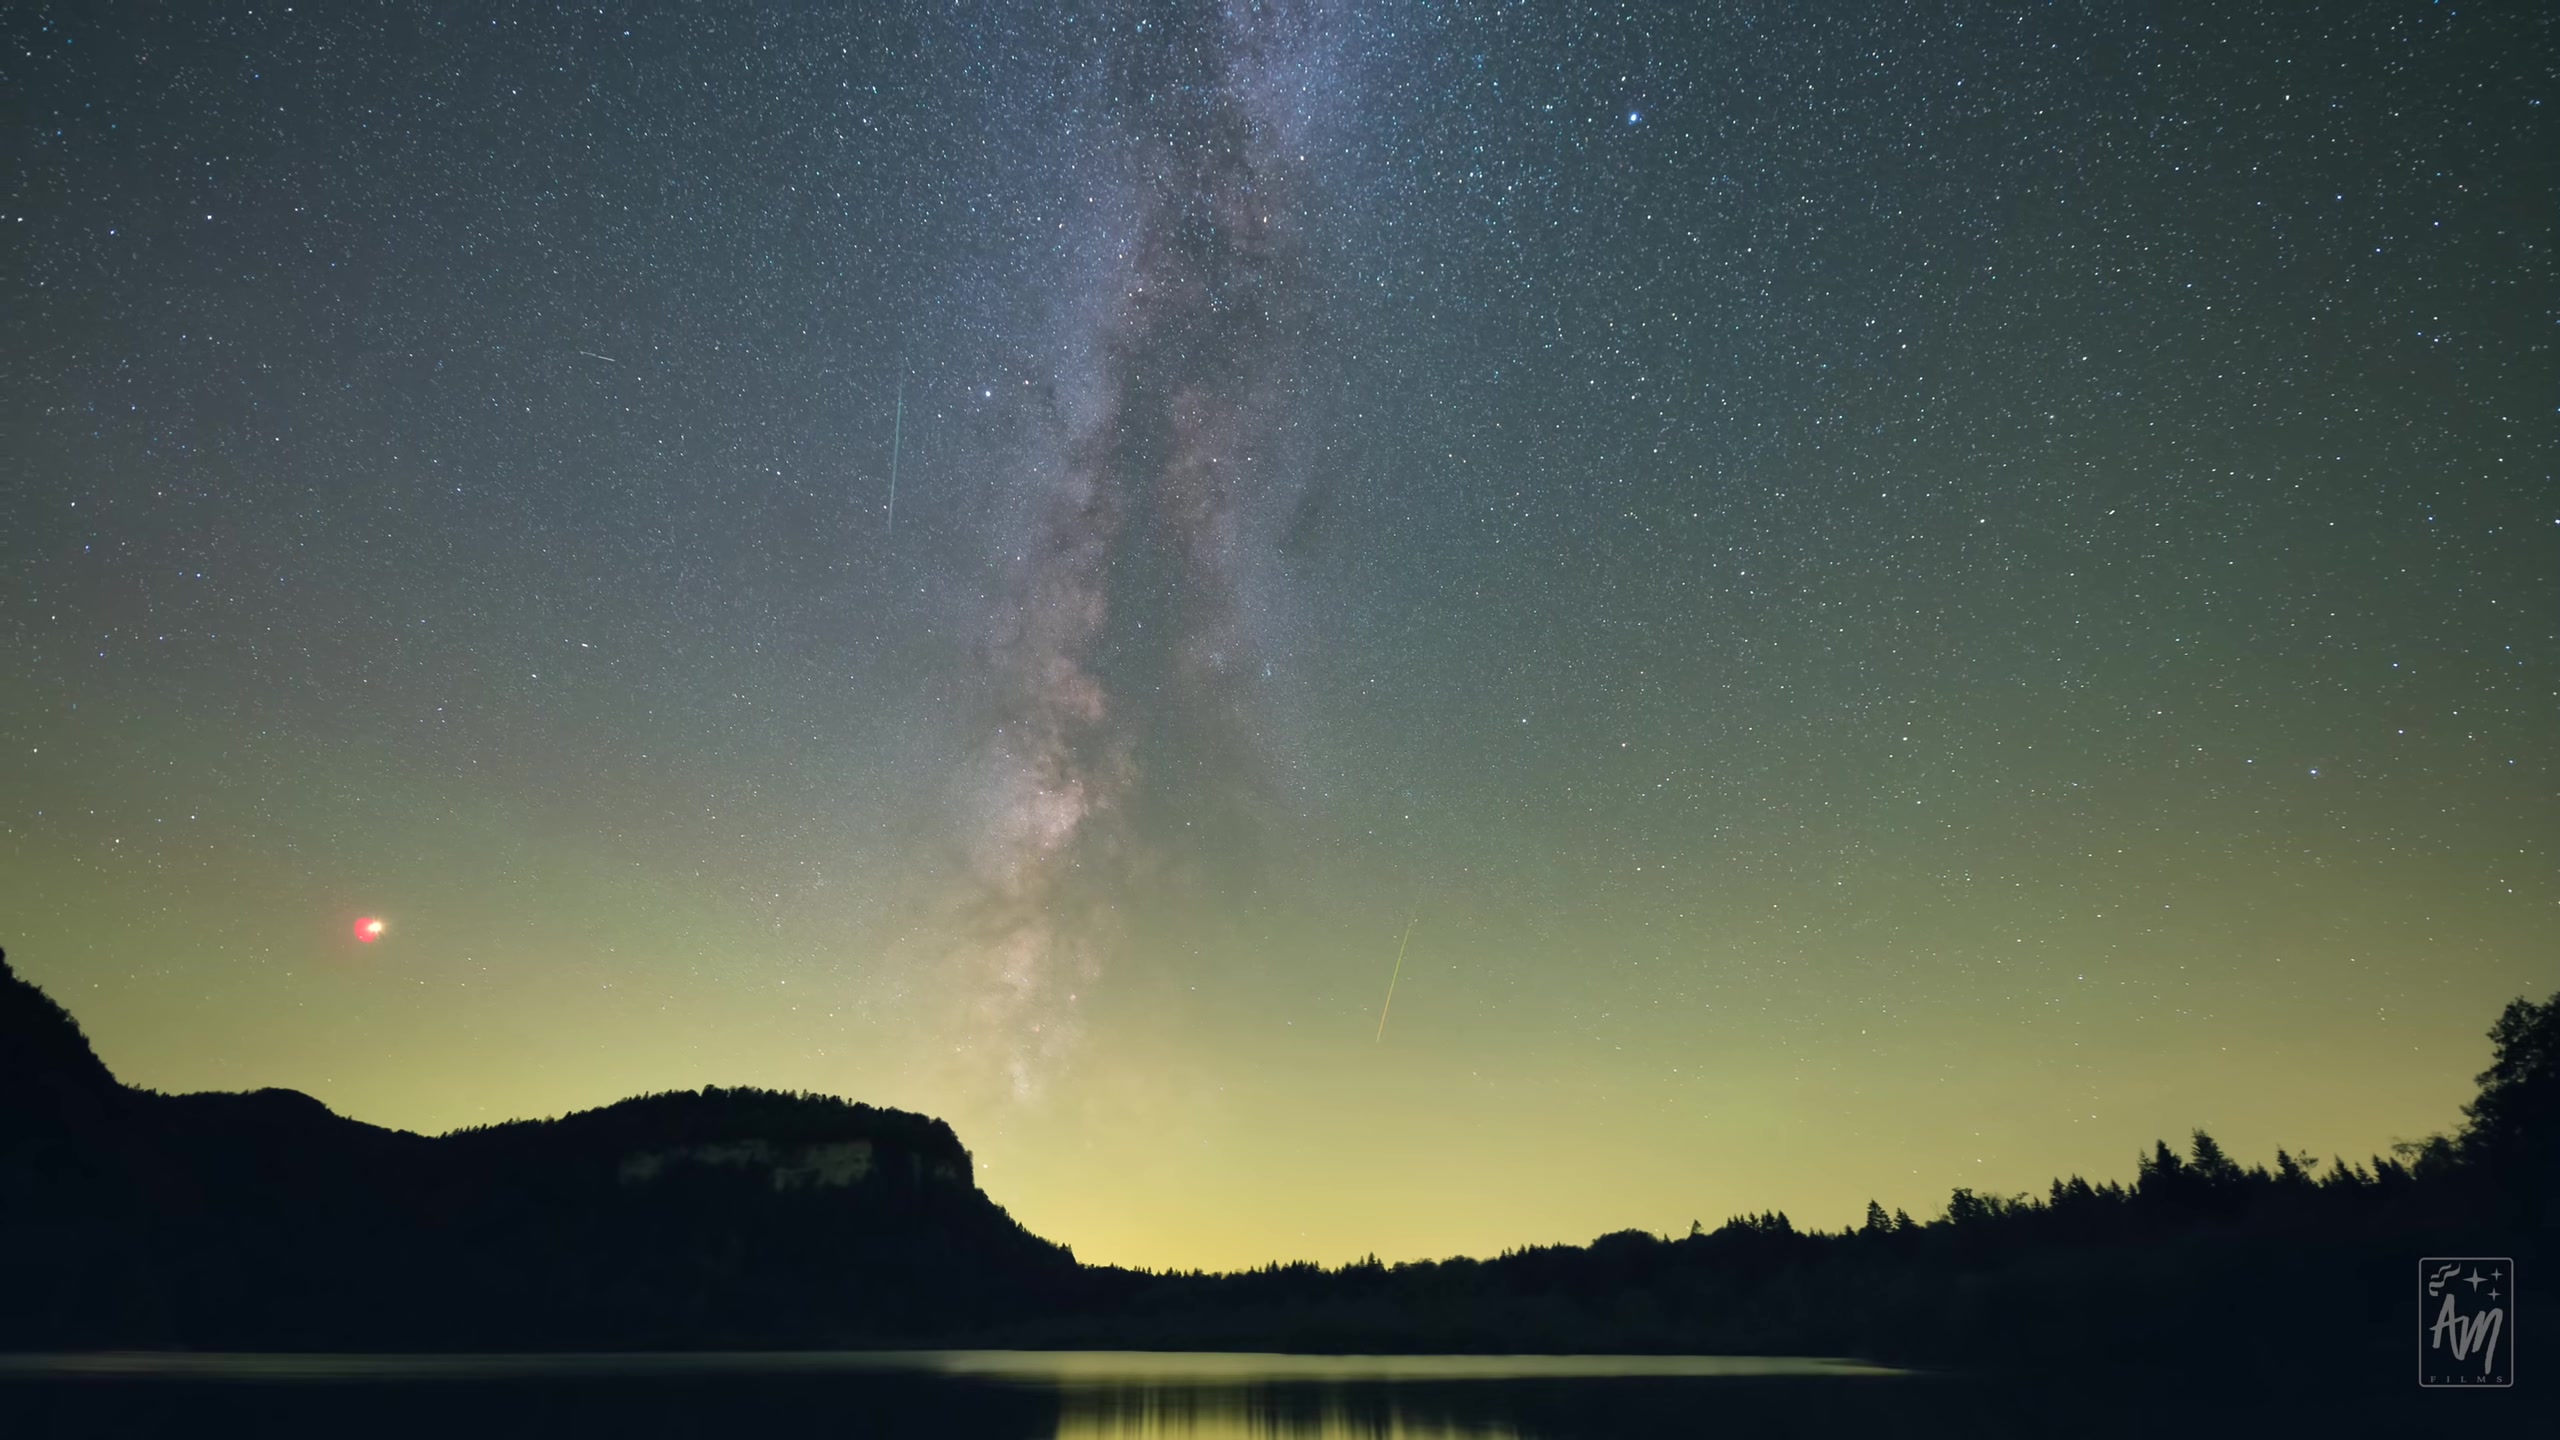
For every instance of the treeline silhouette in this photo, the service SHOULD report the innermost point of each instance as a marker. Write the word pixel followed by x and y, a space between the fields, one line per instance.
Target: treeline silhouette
pixel 755 1218
pixel 2197 1262
pixel 2197 1258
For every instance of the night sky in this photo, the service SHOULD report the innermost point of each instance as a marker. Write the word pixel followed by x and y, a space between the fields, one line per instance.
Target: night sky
pixel 1895 601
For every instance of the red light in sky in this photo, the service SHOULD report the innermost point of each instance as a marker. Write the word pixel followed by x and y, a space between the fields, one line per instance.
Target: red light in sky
pixel 369 929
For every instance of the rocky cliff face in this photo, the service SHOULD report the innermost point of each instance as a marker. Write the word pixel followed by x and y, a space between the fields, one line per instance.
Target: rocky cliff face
pixel 688 1218
pixel 831 1166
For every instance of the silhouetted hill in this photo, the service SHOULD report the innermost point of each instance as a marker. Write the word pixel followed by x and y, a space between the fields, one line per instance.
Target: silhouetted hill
pixel 725 1217
pixel 46 1061
pixel 745 1218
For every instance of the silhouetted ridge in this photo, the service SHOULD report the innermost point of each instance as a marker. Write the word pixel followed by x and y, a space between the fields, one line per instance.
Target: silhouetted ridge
pixel 751 1218
pixel 41 1045
pixel 735 1217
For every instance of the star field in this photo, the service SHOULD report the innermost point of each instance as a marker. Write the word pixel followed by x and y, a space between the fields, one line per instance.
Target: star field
pixel 1901 600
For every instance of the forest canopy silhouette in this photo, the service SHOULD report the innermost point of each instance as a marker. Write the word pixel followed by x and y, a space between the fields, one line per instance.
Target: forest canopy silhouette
pixel 740 1217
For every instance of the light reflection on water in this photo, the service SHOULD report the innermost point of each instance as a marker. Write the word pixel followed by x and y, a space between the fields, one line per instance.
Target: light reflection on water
pixel 1209 1367
pixel 1230 1415
pixel 948 1394
pixel 1068 1369
pixel 1212 1396
pixel 1028 1395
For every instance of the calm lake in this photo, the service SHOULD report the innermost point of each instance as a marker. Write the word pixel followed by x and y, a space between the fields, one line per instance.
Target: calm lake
pixel 1124 1395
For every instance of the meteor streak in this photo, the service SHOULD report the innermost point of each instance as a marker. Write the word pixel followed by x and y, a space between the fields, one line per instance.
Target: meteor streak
pixel 897 433
pixel 1391 979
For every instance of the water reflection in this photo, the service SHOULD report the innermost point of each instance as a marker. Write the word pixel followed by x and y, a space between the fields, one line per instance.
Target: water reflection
pixel 1017 1395
pixel 1177 1414
pixel 1234 1368
pixel 1068 1369
pixel 1153 1395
